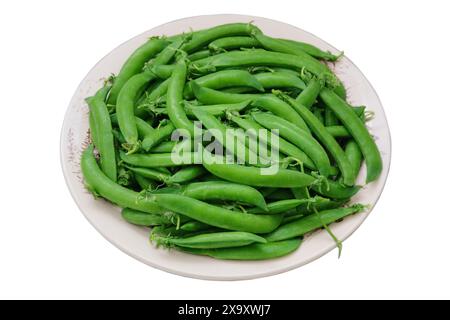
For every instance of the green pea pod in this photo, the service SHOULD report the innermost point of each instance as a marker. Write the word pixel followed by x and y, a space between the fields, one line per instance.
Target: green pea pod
pixel 276 80
pixel 283 145
pixel 211 240
pixel 217 216
pixel 227 43
pixel 309 96
pixel 257 251
pixel 258 177
pixel 175 109
pixel 159 159
pixel 301 139
pixel 224 79
pixel 304 210
pixel 134 64
pixel 163 71
pixel 311 50
pixel 169 146
pixel 202 38
pixel 144 183
pixel 338 131
pixel 99 184
pixel 283 206
pixel 227 138
pixel 186 174
pixel 104 137
pixel 225 191
pixel 148 219
pixel 127 96
pixel 308 62
pixel 157 135
pixel 148 173
pixel 217 109
pixel 326 138
pixel 194 226
pixel 354 155
pixel 259 57
pixel 335 190
pixel 312 222
pixel 358 131
pixel 211 96
pixel 199 55
pixel 282 109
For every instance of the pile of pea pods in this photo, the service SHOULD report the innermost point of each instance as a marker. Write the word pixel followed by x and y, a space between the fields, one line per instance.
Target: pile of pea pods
pixel 173 90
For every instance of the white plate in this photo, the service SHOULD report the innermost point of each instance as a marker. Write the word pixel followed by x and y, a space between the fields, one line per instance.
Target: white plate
pixel 134 240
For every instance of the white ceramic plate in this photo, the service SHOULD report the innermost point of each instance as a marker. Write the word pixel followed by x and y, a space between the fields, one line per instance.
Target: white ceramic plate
pixel 134 240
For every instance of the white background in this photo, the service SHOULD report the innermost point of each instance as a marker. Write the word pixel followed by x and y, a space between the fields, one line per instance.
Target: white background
pixel 49 250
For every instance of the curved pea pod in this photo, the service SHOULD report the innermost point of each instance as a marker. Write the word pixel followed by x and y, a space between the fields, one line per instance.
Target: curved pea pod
pixel 303 140
pixel 282 206
pixel 135 63
pixel 272 80
pixel 304 210
pixel 282 109
pixel 358 131
pixel 157 160
pixel 156 136
pixel 312 222
pixel 328 141
pixel 311 50
pixel 309 63
pixel 227 43
pixel 211 96
pixel 194 226
pixel 169 146
pixel 257 251
pixel 338 131
pixel 163 71
pixel 354 155
pixel 216 109
pixel 259 57
pixel 103 136
pixel 174 106
pixel 186 174
pixel 224 79
pixel 149 219
pixel 152 174
pixel 127 96
pixel 284 146
pixel 256 177
pixel 309 96
pixel 199 55
pixel 217 216
pixel 203 37
pixel 211 240
pixel 222 190
pixel 99 184
pixel 335 190
pixel 145 183
pixel 229 139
